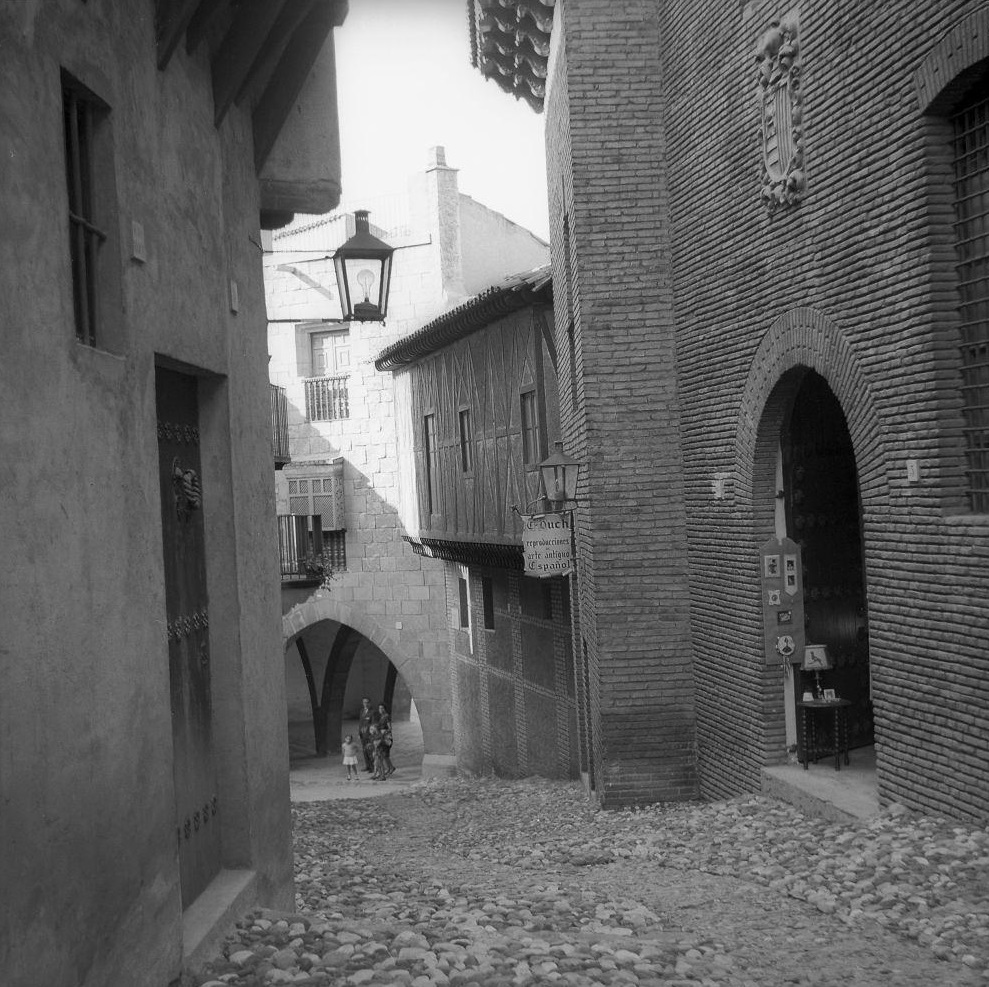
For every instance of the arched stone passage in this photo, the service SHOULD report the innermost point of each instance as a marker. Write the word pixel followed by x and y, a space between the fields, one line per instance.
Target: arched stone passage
pixel 431 696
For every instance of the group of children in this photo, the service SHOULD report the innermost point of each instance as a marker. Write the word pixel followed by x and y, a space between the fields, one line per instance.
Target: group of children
pixel 376 740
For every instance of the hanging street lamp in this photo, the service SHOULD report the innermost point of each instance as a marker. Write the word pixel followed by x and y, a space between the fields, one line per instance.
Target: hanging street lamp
pixel 363 268
pixel 559 474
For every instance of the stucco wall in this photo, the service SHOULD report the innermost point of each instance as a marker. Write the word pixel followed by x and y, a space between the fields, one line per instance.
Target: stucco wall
pixel 87 848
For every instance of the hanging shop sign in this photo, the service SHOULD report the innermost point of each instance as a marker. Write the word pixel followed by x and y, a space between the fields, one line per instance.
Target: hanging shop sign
pixel 547 544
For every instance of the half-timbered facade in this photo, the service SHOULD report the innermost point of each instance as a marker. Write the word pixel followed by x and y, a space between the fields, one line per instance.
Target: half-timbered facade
pixel 480 410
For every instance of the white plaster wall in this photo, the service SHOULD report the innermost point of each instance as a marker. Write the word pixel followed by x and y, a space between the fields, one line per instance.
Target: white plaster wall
pixel 493 246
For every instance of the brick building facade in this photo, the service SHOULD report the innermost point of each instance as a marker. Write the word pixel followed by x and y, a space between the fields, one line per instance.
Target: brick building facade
pixel 769 224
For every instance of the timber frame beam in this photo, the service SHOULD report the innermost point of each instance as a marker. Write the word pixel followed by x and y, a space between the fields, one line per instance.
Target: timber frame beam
pixel 282 38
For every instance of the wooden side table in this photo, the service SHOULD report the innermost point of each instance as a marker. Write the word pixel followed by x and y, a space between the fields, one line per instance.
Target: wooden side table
pixel 813 737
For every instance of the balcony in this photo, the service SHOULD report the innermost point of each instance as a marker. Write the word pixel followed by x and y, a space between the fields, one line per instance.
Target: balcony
pixel 279 425
pixel 309 555
pixel 327 399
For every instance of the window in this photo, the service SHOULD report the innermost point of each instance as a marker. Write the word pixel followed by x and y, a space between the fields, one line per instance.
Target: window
pixel 971 154
pixel 487 595
pixel 330 353
pixel 464 601
pixel 466 441
pixel 327 393
pixel 319 495
pixel 84 117
pixel 547 600
pixel 430 461
pixel 530 428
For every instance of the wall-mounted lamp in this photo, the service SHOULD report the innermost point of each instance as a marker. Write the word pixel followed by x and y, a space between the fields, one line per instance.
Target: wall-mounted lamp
pixel 363 267
pixel 559 475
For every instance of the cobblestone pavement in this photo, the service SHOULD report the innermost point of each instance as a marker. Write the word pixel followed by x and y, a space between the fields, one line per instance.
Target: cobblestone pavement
pixel 509 883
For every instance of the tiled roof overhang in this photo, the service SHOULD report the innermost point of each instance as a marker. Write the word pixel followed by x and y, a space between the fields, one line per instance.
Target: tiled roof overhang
pixel 516 292
pixel 509 42
pixel 493 555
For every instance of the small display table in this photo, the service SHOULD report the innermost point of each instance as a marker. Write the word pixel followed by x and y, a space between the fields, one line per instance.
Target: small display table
pixel 815 739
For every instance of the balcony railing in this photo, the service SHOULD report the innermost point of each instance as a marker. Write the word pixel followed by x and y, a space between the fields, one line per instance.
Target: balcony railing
pixel 308 555
pixel 326 398
pixel 279 425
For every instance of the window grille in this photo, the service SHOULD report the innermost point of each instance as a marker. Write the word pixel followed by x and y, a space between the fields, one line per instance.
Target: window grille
pixel 82 115
pixel 316 495
pixel 327 398
pixel 971 154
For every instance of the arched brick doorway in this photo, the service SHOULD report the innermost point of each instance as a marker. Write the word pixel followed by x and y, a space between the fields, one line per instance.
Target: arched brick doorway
pixel 805 385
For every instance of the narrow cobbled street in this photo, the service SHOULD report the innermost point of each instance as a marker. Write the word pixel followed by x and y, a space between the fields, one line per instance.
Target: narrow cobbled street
pixel 496 883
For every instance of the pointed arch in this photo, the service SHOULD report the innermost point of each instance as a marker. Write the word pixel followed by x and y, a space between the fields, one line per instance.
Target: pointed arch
pixel 321 606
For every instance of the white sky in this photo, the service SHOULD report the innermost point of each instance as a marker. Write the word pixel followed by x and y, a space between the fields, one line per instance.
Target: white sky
pixel 406 84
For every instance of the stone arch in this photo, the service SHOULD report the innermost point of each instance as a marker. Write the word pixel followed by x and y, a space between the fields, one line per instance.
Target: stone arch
pixel 806 338
pixel 323 606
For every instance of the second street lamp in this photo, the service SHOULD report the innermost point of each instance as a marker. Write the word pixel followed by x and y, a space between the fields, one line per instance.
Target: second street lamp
pixel 363 268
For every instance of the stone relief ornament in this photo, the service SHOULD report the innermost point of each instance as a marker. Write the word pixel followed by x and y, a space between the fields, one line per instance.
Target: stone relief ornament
pixel 778 68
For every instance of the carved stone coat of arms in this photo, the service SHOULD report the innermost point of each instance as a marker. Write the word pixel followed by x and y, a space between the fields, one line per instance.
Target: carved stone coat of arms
pixel 780 98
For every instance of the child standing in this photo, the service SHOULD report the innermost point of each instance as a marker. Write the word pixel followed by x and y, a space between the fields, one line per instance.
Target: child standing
pixel 350 757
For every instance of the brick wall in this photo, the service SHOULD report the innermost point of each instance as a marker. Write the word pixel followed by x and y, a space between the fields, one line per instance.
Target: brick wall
pixel 654 157
pixel 619 400
pixel 514 701
pixel 856 283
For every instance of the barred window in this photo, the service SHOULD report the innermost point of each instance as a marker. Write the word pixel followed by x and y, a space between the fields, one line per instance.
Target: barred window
pixel 971 154
pixel 83 115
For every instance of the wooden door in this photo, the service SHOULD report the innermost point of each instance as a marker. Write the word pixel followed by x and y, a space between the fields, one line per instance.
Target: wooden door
pixel 187 627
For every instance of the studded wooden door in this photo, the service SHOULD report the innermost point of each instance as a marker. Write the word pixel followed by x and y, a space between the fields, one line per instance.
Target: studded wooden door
pixel 187 627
